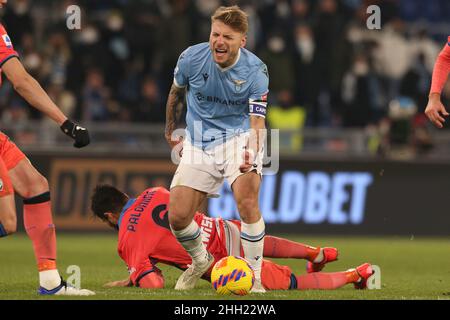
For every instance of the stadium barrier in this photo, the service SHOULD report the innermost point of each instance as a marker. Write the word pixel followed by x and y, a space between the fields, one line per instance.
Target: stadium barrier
pixel 306 196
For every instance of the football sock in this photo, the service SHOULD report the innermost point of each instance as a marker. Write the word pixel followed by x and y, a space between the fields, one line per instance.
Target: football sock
pixel 37 216
pixel 3 233
pixel 191 240
pixel 322 280
pixel 49 279
pixel 282 248
pixel 252 239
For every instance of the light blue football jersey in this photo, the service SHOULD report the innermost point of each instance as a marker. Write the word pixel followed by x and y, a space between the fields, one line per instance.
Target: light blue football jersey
pixel 220 101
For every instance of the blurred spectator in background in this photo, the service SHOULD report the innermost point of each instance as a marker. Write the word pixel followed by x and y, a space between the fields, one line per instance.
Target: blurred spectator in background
pixel 328 28
pixel 416 82
pixel 32 59
pixel 360 89
pixel 176 32
pixel 205 9
pixel 95 97
pixel 151 107
pixel 120 64
pixel 393 56
pixel 289 118
pixel 18 18
pixel 307 79
pixel 276 53
pixel 57 55
pixel 301 12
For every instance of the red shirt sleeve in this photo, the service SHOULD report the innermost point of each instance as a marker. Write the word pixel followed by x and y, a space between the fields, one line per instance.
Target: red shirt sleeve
pixel 144 268
pixel 6 47
pixel 441 69
pixel 151 280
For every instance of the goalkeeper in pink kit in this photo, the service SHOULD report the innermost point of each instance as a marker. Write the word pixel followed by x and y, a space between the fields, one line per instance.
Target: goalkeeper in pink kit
pixel 145 239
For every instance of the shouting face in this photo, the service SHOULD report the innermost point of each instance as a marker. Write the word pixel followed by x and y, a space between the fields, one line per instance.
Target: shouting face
pixel 224 43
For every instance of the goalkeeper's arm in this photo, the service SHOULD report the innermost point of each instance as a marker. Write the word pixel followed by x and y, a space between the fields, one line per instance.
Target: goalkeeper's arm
pixel 435 110
pixel 32 92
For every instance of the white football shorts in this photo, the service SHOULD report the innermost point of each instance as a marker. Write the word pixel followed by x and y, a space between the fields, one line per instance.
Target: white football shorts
pixel 205 170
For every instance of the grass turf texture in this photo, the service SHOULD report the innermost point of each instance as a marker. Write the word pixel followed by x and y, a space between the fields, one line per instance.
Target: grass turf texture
pixel 410 269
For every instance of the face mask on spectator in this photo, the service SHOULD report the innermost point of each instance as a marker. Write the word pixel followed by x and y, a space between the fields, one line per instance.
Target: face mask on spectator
pixel 276 44
pixel 361 68
pixel 115 22
pixel 305 45
pixel 89 35
pixel 32 61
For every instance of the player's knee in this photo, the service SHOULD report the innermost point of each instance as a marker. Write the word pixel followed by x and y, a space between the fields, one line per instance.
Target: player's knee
pixel 248 207
pixel 37 185
pixel 179 215
pixel 178 220
pixel 9 224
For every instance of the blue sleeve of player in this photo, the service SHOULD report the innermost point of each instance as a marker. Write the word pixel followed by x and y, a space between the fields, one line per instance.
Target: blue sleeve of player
pixel 181 72
pixel 258 96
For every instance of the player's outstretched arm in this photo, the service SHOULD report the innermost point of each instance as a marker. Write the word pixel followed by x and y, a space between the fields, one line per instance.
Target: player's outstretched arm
pixel 435 110
pixel 32 92
pixel 174 110
pixel 121 283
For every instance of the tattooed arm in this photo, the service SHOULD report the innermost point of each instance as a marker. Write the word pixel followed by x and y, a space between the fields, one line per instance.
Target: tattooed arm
pixel 174 110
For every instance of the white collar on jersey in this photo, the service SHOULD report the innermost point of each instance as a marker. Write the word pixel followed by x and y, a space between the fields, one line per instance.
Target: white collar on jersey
pixel 232 65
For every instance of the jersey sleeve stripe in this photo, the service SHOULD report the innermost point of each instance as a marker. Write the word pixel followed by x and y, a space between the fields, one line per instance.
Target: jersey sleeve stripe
pixel 143 274
pixel 259 103
pixel 177 84
pixel 7 58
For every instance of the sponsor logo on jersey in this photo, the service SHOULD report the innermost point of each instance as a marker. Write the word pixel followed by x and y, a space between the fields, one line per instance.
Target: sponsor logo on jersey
pixel 206 229
pixel 7 41
pixel 238 84
pixel 201 97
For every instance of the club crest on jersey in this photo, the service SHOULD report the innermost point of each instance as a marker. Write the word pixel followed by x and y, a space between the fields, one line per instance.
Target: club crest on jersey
pixel 238 84
pixel 7 41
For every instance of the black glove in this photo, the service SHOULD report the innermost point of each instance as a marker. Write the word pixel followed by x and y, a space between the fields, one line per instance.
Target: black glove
pixel 79 134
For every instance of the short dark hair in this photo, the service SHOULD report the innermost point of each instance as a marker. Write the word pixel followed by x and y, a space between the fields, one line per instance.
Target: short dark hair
pixel 107 198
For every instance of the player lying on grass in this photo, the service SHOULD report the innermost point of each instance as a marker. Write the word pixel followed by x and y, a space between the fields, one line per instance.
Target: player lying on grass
pixel 145 239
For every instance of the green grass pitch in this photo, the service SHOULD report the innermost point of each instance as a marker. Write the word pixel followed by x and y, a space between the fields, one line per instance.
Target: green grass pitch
pixel 411 268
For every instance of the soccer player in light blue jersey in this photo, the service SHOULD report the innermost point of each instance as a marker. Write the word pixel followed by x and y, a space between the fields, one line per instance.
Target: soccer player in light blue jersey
pixel 225 87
